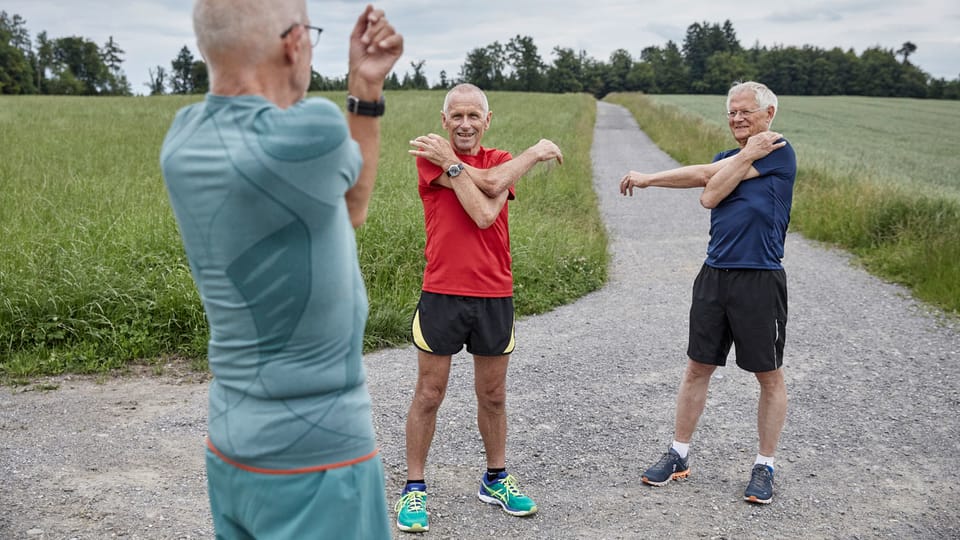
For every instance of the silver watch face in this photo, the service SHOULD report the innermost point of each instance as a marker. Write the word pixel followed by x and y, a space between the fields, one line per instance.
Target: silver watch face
pixel 454 170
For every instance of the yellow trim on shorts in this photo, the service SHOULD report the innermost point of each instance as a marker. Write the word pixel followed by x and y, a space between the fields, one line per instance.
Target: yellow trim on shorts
pixel 418 334
pixel 513 340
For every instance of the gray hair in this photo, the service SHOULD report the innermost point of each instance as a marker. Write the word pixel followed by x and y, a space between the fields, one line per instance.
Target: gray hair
pixel 762 95
pixel 243 27
pixel 466 88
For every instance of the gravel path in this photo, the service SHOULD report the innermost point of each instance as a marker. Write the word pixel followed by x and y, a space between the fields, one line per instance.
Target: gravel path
pixel 869 450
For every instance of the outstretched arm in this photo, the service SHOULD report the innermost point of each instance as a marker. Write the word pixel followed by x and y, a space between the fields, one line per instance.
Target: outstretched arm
pixel 718 179
pixel 495 180
pixel 689 176
pixel 481 192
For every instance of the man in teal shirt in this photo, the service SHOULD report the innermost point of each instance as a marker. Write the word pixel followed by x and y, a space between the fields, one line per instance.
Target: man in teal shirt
pixel 267 187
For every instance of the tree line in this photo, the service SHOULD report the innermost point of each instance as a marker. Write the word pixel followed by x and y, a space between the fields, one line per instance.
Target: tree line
pixel 67 65
pixel 707 61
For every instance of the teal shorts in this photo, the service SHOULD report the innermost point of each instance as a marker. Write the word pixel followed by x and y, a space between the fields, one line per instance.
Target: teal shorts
pixel 345 502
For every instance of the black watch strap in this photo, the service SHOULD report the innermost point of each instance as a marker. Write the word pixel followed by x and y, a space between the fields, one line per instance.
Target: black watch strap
pixel 356 105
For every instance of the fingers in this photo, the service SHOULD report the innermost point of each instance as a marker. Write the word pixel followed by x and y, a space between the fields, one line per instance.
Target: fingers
pixel 432 147
pixel 379 33
pixel 360 28
pixel 370 18
pixel 549 150
pixel 417 147
pixel 769 137
pixel 393 43
pixel 373 33
pixel 420 145
pixel 559 154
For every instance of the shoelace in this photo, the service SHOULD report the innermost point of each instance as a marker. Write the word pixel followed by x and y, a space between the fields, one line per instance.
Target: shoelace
pixel 414 499
pixel 760 478
pixel 667 459
pixel 511 484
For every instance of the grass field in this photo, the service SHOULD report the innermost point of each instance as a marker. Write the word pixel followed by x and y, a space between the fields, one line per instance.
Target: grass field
pixel 877 176
pixel 906 142
pixel 92 272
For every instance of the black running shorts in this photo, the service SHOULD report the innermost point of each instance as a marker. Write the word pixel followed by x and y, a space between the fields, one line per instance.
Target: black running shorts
pixel 740 307
pixel 443 324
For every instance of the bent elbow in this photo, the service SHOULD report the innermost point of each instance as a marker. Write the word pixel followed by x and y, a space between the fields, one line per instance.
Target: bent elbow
pixel 492 190
pixel 485 222
pixel 708 202
pixel 358 218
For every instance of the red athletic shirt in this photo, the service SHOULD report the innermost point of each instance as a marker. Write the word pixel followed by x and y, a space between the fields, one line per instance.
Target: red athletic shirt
pixel 463 259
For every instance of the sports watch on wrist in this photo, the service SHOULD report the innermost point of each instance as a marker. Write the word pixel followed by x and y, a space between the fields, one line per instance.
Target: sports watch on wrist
pixel 356 105
pixel 455 170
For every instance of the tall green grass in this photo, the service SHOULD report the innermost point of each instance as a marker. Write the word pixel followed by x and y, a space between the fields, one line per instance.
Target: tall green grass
pixel 905 142
pixel 92 271
pixel 557 237
pixel 860 183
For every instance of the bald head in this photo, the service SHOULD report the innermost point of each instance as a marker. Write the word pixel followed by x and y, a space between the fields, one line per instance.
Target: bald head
pixel 243 28
pixel 466 88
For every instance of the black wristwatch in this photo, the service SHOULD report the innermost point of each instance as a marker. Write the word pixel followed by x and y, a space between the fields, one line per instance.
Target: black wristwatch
pixel 366 108
pixel 455 170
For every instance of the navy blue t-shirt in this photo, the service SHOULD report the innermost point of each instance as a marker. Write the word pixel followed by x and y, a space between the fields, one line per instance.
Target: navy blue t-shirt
pixel 748 228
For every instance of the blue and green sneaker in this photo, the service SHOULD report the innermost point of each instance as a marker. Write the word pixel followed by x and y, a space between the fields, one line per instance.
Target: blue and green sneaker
pixel 505 492
pixel 412 511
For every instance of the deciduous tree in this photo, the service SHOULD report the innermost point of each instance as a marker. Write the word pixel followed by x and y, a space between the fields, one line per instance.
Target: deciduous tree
pixel 528 67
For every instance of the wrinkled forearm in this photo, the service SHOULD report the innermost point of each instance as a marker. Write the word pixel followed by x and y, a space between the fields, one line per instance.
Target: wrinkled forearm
pixel 497 180
pixel 690 176
pixel 482 208
pixel 732 171
pixel 366 131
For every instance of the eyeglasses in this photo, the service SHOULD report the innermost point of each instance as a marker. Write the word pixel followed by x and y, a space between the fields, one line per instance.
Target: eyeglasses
pixel 313 30
pixel 733 114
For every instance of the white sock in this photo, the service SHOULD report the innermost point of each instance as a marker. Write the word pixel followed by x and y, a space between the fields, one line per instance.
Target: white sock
pixel 681 448
pixel 764 460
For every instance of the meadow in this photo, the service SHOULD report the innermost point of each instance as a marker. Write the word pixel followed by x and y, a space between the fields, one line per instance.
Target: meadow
pixel 877 176
pixel 92 271
pixel 93 275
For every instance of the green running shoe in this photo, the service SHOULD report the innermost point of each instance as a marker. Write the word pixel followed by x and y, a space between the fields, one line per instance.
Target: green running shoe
pixel 411 512
pixel 505 492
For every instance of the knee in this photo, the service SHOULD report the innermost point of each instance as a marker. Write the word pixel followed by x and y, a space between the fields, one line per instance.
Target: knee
pixel 697 371
pixel 429 397
pixel 492 399
pixel 772 381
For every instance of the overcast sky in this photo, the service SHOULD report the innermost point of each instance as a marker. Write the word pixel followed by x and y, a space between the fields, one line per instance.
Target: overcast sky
pixel 152 32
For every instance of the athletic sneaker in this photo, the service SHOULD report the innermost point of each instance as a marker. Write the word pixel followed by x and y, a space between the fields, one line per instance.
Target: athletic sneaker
pixel 412 512
pixel 670 467
pixel 760 488
pixel 505 492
